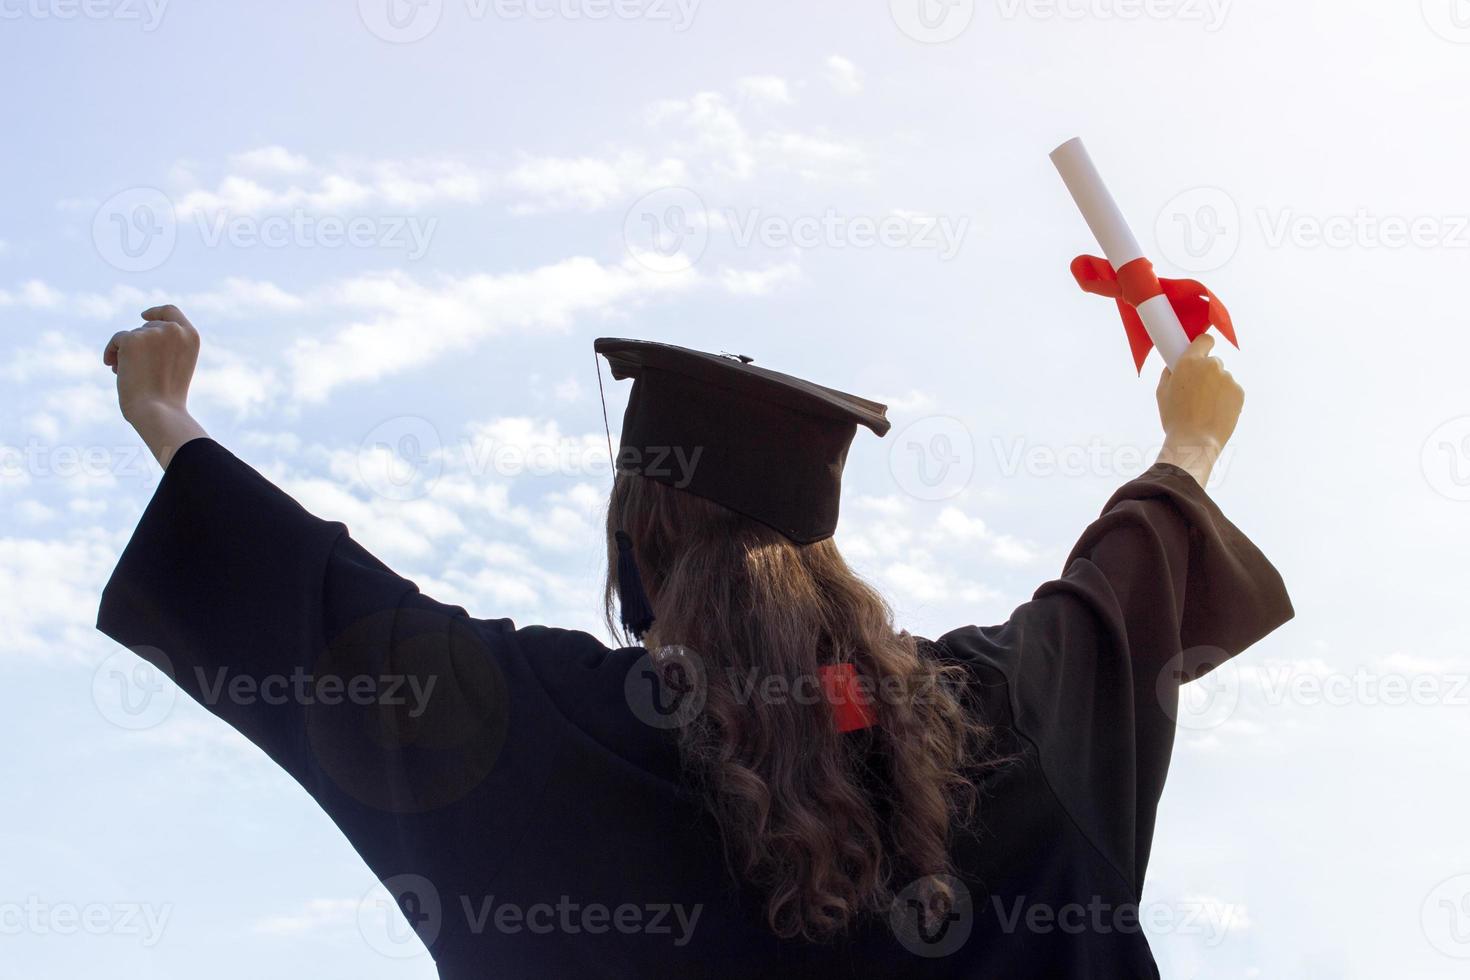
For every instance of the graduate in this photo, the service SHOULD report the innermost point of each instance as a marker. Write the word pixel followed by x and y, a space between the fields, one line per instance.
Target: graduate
pixel 771 778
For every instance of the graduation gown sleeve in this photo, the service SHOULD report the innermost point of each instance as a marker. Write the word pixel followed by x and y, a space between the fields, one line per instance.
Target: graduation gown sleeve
pixel 385 705
pixel 1160 590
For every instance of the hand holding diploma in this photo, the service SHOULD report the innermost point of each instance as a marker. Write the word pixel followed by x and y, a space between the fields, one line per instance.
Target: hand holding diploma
pixel 1165 313
pixel 1199 406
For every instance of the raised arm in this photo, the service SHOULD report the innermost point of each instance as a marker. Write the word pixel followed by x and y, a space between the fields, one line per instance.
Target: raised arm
pixel 1158 591
pixel 154 364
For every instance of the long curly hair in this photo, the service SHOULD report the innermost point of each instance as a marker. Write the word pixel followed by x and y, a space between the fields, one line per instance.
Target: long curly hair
pixel 823 824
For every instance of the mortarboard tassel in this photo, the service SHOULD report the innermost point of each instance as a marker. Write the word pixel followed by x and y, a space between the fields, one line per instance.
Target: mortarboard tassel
pixel 635 609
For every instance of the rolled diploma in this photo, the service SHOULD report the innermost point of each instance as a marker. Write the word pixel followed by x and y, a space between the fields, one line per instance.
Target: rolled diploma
pixel 1111 230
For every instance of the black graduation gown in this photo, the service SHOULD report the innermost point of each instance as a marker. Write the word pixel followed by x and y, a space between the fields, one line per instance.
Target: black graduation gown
pixel 498 782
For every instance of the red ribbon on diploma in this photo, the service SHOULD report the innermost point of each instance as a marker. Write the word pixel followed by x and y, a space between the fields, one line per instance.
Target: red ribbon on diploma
pixel 851 707
pixel 1135 283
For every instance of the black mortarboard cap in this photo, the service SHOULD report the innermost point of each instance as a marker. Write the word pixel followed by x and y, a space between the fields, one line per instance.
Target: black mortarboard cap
pixel 764 444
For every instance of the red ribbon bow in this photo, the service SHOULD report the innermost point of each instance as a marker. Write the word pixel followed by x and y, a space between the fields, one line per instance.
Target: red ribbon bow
pixel 1135 283
pixel 852 708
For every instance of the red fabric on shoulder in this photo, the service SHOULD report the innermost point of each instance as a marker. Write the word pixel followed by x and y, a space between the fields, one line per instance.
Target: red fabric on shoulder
pixel 850 706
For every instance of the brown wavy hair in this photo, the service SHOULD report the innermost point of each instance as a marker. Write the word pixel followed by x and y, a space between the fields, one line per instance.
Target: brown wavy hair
pixel 823 824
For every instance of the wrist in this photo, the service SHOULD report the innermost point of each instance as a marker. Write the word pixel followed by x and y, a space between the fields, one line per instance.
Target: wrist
pixel 1193 444
pixel 1195 455
pixel 153 412
pixel 164 428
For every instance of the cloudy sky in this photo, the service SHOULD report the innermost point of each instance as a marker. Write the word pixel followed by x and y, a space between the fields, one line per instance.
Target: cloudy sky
pixel 400 225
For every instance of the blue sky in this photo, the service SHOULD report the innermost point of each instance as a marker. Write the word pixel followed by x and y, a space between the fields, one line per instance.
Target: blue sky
pixel 398 237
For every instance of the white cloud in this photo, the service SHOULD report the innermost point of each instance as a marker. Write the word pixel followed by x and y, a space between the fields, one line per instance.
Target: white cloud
pixel 407 324
pixel 955 524
pixel 271 160
pixel 33 512
pixel 1008 549
pixel 33 295
pixel 235 298
pixel 711 131
pixel 912 403
pixel 715 128
pixel 273 180
pixel 232 381
pixel 590 183
pixel 68 408
pixel 54 355
pixel 765 88
pixel 316 916
pixel 395 530
pixel 49 590
pixel 813 156
pixel 928 583
pixel 759 282
pixel 844 76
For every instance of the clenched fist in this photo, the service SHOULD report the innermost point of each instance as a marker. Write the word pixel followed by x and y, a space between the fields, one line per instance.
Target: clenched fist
pixel 1199 405
pixel 154 364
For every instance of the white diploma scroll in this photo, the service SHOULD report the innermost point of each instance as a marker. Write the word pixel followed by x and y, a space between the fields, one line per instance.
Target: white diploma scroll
pixel 1119 245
